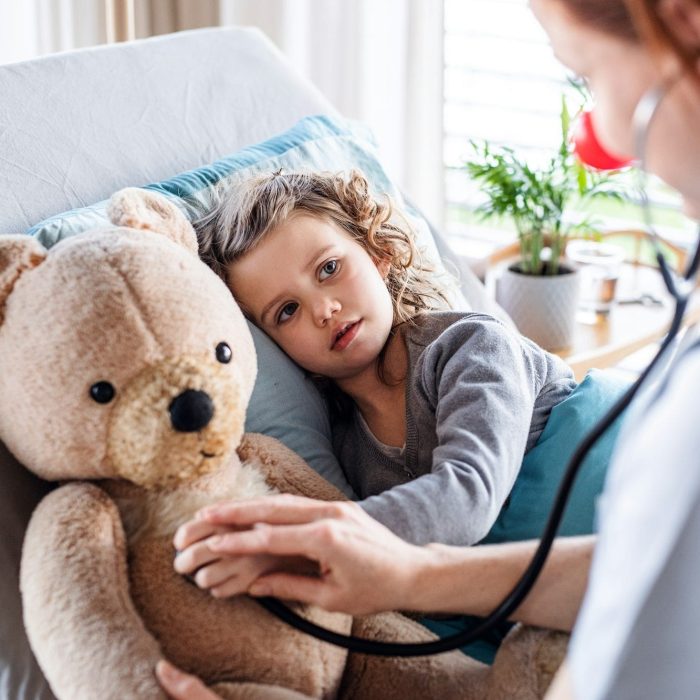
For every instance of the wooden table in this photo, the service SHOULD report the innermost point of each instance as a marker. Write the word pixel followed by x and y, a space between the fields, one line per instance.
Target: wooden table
pixel 602 340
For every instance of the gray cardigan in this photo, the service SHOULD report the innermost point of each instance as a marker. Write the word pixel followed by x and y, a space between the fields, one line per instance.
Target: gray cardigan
pixel 477 398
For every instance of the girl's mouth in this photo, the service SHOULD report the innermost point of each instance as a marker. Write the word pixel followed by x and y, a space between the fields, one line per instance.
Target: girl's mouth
pixel 346 335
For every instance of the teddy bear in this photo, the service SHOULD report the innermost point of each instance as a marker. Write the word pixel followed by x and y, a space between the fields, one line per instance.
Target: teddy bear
pixel 126 371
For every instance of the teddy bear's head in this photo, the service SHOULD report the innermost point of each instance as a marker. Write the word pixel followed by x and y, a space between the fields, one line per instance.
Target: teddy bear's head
pixel 121 354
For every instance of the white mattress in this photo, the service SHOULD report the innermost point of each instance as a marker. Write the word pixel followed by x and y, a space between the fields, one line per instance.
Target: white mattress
pixel 77 126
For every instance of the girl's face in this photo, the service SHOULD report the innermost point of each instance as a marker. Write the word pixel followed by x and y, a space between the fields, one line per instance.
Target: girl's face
pixel 618 73
pixel 318 294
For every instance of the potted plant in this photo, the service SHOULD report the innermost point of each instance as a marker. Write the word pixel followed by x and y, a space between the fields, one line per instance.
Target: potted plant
pixel 539 291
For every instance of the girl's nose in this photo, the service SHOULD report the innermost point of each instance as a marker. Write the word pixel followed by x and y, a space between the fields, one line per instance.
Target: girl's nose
pixel 324 310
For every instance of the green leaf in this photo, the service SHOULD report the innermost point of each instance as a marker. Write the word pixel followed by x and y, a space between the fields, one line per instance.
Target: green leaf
pixel 565 119
pixel 581 179
pixel 536 199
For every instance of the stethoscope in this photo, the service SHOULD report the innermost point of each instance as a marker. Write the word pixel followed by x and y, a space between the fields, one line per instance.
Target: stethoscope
pixel 680 288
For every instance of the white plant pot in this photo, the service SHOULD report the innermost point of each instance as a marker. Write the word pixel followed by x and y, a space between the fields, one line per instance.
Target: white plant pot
pixel 542 307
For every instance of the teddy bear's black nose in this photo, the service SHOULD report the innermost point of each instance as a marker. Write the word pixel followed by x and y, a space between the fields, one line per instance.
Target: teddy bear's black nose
pixel 191 411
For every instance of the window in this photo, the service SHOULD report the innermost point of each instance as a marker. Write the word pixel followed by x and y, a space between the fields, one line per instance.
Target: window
pixel 502 83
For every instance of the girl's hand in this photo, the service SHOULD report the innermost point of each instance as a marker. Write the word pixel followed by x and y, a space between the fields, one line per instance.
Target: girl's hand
pixel 362 566
pixel 181 686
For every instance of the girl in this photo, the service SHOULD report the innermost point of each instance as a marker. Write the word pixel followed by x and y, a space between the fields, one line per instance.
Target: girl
pixel 433 410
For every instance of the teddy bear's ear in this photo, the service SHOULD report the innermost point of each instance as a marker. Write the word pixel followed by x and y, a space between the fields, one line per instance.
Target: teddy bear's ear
pixel 142 209
pixel 17 254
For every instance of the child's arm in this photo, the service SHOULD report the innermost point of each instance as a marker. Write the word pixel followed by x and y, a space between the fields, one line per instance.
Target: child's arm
pixel 481 382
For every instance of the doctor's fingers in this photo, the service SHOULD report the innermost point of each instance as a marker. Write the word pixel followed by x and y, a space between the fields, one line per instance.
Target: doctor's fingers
pixel 316 540
pixel 245 569
pixel 195 556
pixel 195 530
pixel 303 589
pixel 182 686
pixel 284 509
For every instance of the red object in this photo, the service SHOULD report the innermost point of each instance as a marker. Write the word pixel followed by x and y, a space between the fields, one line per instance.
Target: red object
pixel 589 150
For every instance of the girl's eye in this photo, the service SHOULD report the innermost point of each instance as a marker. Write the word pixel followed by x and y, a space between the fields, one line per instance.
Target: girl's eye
pixel 328 269
pixel 286 312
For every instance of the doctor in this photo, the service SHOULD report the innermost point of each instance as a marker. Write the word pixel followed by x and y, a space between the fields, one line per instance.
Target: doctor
pixel 636 605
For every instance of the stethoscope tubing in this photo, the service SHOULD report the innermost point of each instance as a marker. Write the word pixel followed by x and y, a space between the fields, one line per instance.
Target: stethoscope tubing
pixel 680 289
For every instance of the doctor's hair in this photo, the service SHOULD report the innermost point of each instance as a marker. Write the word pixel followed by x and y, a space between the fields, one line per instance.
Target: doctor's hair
pixel 244 213
pixel 610 16
pixel 639 21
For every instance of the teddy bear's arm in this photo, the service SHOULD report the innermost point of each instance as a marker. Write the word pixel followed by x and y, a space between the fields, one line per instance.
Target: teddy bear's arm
pixel 82 625
pixel 285 470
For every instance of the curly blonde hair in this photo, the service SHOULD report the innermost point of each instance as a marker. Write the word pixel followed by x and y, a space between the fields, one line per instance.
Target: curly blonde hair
pixel 244 214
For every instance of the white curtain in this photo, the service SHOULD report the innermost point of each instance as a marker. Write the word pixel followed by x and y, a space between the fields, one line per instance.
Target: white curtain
pixel 378 61
pixel 30 28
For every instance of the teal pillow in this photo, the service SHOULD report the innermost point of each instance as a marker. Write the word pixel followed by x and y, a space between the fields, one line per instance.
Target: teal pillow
pixel 527 509
pixel 316 143
pixel 284 404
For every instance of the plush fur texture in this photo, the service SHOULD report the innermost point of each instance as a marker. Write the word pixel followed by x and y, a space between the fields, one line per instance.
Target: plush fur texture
pixel 132 307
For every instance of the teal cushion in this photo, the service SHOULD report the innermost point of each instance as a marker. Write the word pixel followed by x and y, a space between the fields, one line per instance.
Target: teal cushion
pixel 525 514
pixel 530 501
pixel 284 404
pixel 483 649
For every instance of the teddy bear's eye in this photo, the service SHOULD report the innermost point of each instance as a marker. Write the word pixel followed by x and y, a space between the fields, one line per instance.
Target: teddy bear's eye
pixel 223 353
pixel 102 392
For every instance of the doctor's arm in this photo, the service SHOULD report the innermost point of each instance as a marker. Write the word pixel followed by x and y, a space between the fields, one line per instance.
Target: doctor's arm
pixel 364 568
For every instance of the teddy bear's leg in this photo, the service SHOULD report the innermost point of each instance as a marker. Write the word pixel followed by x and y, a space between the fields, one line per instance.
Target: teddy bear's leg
pixel 255 691
pixel 526 663
pixel 446 676
pixel 82 625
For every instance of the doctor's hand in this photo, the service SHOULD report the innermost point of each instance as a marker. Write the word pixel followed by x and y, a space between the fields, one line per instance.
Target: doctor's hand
pixel 180 685
pixel 362 567
pixel 223 575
